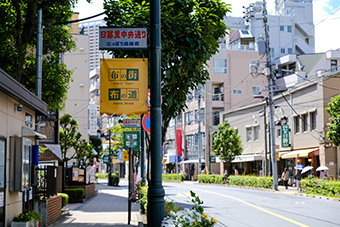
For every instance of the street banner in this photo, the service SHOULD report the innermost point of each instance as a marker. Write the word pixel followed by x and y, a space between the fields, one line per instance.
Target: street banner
pixel 179 142
pixel 285 135
pixel 133 38
pixel 124 86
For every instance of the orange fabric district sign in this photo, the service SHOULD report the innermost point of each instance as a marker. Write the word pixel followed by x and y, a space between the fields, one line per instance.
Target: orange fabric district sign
pixel 123 86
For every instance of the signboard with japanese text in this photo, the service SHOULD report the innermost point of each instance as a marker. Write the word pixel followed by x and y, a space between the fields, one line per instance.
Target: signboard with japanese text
pixel 131 123
pixel 125 155
pixel 92 119
pixel 122 38
pixel 131 140
pixel 124 86
pixel 285 135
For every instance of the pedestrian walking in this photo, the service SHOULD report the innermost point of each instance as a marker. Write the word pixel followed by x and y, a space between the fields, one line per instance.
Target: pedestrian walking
pixel 285 177
pixel 298 178
pixel 323 174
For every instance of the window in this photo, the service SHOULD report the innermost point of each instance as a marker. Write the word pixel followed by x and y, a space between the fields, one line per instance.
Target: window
pixel 237 91
pixel 249 134
pixel 216 118
pixel 283 50
pixel 313 121
pixel 220 65
pixel 297 124
pixel 255 90
pixel 256 133
pixel 188 118
pixel 305 123
pixel 289 28
pixel 307 40
pixel 282 28
pixel 334 65
pixel 290 50
pixel 278 132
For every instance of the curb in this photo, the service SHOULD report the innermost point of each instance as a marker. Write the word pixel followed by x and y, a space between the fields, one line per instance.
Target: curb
pixel 271 190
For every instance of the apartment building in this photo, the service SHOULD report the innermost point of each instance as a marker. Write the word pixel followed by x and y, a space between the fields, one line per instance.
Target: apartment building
pixel 91 29
pixel 291 28
pixel 231 86
pixel 308 91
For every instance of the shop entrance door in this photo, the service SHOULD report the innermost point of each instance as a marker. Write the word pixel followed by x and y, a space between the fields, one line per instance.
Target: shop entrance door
pixel 2 180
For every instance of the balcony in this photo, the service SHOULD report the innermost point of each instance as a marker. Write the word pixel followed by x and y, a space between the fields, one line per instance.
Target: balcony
pixel 94 87
pixel 94 73
pixel 218 100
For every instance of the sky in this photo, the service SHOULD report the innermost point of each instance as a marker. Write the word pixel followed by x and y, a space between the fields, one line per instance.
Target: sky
pixel 326 18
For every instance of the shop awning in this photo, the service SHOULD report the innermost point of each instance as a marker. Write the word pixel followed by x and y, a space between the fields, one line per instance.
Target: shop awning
pixel 247 158
pixel 192 161
pixel 29 132
pixel 299 153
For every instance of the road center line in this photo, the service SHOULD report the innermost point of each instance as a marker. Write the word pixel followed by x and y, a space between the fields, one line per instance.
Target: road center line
pixel 249 204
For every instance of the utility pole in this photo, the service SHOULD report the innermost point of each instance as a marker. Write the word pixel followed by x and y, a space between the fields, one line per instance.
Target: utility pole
pixel 199 130
pixel 156 193
pixel 265 139
pixel 269 74
pixel 176 148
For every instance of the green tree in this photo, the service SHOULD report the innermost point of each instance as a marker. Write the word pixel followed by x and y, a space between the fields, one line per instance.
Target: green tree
pixel 190 32
pixel 84 152
pixel 333 110
pixel 97 146
pixel 18 44
pixel 226 143
pixel 68 135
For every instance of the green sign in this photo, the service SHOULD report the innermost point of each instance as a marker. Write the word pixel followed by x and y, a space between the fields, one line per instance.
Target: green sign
pixel 212 159
pixel 106 159
pixel 131 140
pixel 285 135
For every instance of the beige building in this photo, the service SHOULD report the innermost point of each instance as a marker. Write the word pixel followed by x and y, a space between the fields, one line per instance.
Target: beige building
pixel 18 111
pixel 314 79
pixel 231 85
pixel 78 94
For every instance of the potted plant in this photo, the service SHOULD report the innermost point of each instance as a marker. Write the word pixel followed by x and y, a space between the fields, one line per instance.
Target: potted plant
pixel 26 219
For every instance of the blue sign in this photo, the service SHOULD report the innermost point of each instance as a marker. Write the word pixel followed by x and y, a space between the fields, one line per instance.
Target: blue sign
pixel 146 122
pixel 106 159
pixel 120 154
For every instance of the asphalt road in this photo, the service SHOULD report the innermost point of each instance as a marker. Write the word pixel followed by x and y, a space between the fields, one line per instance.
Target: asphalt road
pixel 239 207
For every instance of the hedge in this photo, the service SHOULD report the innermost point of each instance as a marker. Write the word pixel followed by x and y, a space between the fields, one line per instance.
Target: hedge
pixel 172 177
pixel 315 186
pixel 114 179
pixel 102 175
pixel 64 197
pixel 251 181
pixel 75 193
pixel 210 179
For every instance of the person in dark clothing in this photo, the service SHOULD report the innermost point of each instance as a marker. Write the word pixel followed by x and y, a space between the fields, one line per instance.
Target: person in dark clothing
pixel 298 178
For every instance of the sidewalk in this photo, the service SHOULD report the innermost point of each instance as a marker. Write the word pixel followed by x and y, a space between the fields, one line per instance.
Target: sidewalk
pixel 109 207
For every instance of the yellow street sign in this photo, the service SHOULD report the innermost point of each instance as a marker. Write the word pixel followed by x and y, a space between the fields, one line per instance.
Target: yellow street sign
pixel 277 155
pixel 125 155
pixel 114 161
pixel 124 86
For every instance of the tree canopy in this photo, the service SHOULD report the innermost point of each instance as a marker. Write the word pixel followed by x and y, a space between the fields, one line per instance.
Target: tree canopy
pixel 68 135
pixel 190 32
pixel 333 110
pixel 19 40
pixel 227 143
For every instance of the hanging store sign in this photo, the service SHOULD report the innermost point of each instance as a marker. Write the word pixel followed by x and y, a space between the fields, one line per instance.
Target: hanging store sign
pixel 285 135
pixel 122 38
pixel 124 86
